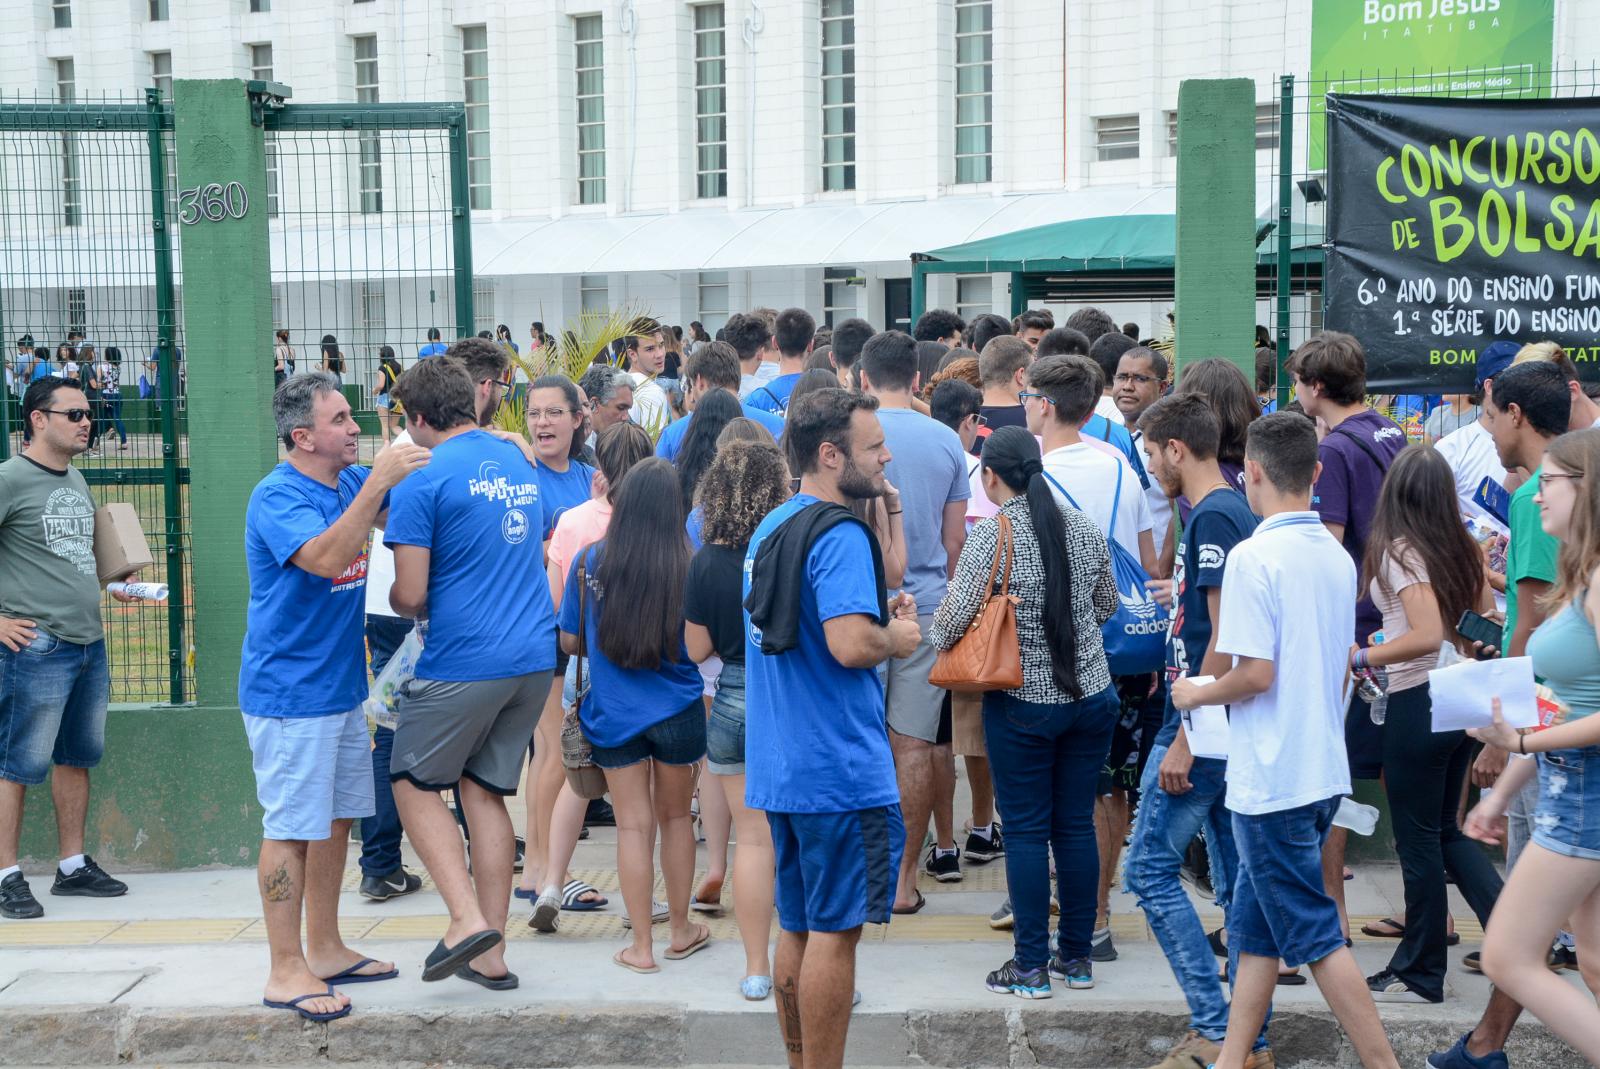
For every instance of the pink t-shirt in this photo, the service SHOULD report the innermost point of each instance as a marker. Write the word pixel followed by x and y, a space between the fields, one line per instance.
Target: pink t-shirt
pixel 577 529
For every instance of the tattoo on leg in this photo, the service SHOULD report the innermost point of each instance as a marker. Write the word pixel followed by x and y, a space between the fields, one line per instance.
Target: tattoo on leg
pixel 788 998
pixel 278 886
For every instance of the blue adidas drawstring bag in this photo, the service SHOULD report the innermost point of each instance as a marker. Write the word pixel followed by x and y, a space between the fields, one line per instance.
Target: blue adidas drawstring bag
pixel 1136 636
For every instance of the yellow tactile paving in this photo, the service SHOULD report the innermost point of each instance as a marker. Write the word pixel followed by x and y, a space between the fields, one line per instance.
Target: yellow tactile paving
pixel 55 933
pixel 350 928
pixel 178 931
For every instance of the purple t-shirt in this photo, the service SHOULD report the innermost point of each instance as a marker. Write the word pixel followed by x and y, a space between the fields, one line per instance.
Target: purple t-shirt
pixel 1347 491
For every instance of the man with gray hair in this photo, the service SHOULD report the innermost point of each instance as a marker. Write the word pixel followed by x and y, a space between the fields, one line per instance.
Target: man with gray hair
pixel 302 679
pixel 610 394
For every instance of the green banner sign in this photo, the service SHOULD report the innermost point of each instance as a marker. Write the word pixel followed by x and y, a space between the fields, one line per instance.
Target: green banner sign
pixel 1498 48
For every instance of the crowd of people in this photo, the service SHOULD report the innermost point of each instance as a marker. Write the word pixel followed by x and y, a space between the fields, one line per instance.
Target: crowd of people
pixel 779 605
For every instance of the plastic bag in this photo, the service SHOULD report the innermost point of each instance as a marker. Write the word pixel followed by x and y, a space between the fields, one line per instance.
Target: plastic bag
pixel 383 698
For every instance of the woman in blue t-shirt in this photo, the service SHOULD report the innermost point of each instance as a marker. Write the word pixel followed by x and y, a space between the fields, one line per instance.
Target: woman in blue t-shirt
pixel 642 713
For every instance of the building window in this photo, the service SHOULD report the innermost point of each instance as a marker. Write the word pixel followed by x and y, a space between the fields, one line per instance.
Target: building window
pixel 974 295
pixel 71 185
pixel 838 296
pixel 77 312
pixel 261 71
pixel 483 317
pixel 1266 126
pixel 711 100
pixel 592 295
pixel 1116 137
pixel 1172 134
pixel 371 151
pixel 838 94
pixel 161 73
pixel 61 14
pixel 475 91
pixel 159 11
pixel 374 316
pixel 591 73
pixel 714 300
pixel 258 7
pixel 278 307
pixel 974 90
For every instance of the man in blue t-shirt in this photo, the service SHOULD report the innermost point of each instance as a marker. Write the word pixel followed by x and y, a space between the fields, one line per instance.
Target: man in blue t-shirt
pixel 793 334
pixel 816 744
pixel 1180 793
pixel 302 679
pixel 468 525
pixel 435 347
pixel 712 367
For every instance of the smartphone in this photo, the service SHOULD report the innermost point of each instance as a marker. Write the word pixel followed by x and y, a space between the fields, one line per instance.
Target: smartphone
pixel 1477 628
pixel 1494 499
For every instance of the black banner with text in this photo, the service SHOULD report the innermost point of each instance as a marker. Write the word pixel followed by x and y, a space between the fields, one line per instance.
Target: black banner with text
pixel 1453 223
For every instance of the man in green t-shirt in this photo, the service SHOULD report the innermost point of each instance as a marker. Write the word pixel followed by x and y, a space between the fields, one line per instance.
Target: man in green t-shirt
pixel 54 683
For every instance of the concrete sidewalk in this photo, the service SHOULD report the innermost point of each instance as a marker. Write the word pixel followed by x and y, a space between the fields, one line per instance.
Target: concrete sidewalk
pixel 172 973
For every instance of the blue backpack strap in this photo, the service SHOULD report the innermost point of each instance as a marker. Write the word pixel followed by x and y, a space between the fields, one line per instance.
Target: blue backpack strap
pixel 1116 500
pixel 1063 489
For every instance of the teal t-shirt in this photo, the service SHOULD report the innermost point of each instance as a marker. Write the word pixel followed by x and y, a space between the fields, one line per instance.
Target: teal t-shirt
pixel 1531 553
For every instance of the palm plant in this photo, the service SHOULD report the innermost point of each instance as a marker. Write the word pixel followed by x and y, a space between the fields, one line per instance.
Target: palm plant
pixel 570 353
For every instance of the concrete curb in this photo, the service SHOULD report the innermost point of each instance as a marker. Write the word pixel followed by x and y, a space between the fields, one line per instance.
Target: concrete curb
pixel 663 1034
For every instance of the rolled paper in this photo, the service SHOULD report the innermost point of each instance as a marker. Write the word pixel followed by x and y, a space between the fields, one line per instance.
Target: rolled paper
pixel 142 591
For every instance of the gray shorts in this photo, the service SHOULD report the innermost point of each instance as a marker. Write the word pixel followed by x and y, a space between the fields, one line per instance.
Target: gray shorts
pixel 480 730
pixel 913 703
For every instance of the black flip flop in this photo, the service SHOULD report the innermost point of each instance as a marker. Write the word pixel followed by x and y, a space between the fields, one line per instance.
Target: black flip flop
pixel 352 976
pixel 903 911
pixel 294 1006
pixel 1218 947
pixel 443 961
pixel 508 982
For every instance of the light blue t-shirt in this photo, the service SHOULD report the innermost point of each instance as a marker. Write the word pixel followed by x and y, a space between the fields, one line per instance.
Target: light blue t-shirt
pixel 562 490
pixel 670 444
pixel 774 396
pixel 436 348
pixel 623 703
pixel 475 507
pixel 1116 434
pixel 929 468
pixel 304 652
pixel 816 739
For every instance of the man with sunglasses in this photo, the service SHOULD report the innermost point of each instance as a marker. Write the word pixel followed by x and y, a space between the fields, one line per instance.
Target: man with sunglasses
pixel 54 683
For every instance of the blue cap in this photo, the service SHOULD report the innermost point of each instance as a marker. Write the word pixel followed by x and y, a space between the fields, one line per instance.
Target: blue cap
pixel 1495 358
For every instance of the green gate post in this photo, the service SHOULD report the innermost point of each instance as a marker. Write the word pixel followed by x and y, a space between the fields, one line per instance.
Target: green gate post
pixel 1285 230
pixel 461 225
pixel 1216 256
pixel 227 319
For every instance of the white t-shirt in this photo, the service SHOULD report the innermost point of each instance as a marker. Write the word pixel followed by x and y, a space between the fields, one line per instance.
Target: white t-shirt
pixel 765 372
pixel 1160 503
pixel 380 563
pixel 1090 476
pixel 1289 597
pixel 1471 454
pixel 649 402
pixel 1108 408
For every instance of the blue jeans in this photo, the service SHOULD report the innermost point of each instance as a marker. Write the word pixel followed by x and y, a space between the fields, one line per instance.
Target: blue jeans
pixel 1166 825
pixel 380 834
pixel 53 696
pixel 113 415
pixel 1046 760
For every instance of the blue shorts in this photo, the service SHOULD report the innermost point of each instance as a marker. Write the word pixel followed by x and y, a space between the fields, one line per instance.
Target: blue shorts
pixel 53 698
pixel 310 772
pixel 725 726
pixel 1279 907
pixel 680 739
pixel 836 871
pixel 1567 820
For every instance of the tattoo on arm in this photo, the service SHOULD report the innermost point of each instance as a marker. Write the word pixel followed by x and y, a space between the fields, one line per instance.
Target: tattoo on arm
pixel 278 886
pixel 788 998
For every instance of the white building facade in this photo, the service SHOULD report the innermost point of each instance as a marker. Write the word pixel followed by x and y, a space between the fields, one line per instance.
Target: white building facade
pixel 704 158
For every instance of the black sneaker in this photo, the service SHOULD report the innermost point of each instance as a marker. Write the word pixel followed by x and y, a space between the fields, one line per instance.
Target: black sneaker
pixel 1563 957
pixel 1008 979
pixel 1101 948
pixel 600 814
pixel 16 899
pixel 1078 973
pixel 397 883
pixel 946 868
pixel 90 881
pixel 981 851
pixel 1387 987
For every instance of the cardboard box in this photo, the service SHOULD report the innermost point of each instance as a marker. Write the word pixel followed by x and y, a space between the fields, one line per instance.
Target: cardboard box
pixel 120 548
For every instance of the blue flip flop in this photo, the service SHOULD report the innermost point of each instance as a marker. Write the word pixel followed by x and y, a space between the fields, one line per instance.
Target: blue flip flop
pixel 574 891
pixel 294 1004
pixel 351 976
pixel 518 892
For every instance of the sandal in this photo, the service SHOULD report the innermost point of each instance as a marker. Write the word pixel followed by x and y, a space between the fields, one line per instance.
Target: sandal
pixel 572 897
pixel 294 1004
pixel 1393 930
pixel 352 975
pixel 922 900
pixel 700 943
pixel 618 959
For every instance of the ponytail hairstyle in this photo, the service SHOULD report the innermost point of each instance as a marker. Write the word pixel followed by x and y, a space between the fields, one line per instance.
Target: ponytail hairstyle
pixel 1013 455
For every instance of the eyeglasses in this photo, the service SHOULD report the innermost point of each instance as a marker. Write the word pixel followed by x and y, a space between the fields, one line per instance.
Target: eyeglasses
pixel 1545 477
pixel 1130 378
pixel 504 384
pixel 549 413
pixel 74 415
pixel 1026 394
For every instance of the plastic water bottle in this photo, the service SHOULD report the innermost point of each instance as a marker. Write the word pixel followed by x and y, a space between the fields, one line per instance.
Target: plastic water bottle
pixel 1374 687
pixel 1361 819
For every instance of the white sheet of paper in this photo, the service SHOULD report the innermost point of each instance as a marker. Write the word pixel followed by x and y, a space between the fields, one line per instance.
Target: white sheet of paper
pixel 1207 726
pixel 1462 692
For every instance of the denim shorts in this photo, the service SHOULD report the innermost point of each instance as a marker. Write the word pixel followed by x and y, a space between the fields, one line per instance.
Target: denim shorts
pixel 1567 821
pixel 680 739
pixel 725 726
pixel 1280 909
pixel 836 871
pixel 53 698
pixel 310 772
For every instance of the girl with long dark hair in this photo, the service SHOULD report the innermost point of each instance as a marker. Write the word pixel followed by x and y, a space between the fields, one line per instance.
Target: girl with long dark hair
pixel 332 358
pixel 111 394
pixel 642 714
pixel 714 410
pixel 388 375
pixel 1423 570
pixel 1048 738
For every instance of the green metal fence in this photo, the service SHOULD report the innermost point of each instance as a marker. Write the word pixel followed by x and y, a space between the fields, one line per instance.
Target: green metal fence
pixel 1299 175
pixel 86 255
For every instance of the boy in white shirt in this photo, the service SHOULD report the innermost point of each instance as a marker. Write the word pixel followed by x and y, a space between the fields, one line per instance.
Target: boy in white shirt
pixel 1289 597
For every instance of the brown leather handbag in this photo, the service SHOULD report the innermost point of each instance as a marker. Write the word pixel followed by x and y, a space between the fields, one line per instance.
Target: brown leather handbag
pixel 987 657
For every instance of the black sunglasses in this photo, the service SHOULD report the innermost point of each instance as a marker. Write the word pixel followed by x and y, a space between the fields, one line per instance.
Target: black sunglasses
pixel 74 415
